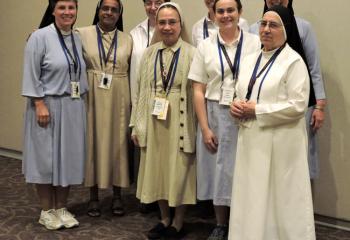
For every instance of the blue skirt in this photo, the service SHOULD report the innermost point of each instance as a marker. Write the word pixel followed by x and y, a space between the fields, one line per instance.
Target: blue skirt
pixel 55 154
pixel 215 171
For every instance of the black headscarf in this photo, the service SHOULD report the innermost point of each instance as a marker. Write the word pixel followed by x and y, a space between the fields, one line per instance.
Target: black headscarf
pixel 48 18
pixel 119 23
pixel 293 38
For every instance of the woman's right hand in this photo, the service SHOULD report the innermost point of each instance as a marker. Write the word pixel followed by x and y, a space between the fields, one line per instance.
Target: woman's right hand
pixel 236 109
pixel 135 140
pixel 42 113
pixel 210 140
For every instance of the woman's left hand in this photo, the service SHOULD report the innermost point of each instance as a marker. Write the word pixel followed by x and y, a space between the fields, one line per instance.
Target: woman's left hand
pixel 249 110
pixel 135 140
pixel 317 119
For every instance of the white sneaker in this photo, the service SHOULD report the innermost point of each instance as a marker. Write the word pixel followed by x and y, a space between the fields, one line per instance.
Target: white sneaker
pixel 50 219
pixel 67 218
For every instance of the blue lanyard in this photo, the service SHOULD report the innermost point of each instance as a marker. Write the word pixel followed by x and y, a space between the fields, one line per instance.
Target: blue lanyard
pixel 101 49
pixel 237 60
pixel 148 33
pixel 172 70
pixel 256 75
pixel 68 54
pixel 205 29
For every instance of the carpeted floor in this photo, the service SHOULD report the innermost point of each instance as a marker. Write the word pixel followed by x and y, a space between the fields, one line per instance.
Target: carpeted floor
pixel 19 211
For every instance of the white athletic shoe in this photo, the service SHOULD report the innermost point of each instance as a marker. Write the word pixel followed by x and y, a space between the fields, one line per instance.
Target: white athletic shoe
pixel 67 218
pixel 50 219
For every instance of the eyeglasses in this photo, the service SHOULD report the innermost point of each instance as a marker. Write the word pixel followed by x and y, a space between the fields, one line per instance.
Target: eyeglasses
pixel 223 10
pixel 112 9
pixel 149 3
pixel 271 25
pixel 170 22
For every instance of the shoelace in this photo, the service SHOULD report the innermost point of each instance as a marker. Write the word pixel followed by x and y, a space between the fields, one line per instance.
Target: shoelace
pixel 66 213
pixel 51 215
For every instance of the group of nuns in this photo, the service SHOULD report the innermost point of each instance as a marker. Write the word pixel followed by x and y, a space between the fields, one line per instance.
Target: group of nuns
pixel 232 120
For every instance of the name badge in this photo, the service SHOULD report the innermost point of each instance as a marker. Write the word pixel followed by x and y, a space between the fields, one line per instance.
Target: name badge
pixel 75 89
pixel 160 108
pixel 105 81
pixel 163 114
pixel 226 96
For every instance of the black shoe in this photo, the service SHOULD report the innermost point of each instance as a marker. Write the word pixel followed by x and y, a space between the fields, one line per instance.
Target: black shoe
pixel 157 231
pixel 117 207
pixel 172 233
pixel 219 233
pixel 93 209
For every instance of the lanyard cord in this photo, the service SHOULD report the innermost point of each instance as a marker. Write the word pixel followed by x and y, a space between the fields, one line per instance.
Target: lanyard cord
pixel 235 67
pixel 166 76
pixel 101 49
pixel 75 59
pixel 205 29
pixel 148 33
pixel 256 75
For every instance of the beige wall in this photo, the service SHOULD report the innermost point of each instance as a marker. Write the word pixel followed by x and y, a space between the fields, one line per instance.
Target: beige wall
pixel 330 22
pixel 16 23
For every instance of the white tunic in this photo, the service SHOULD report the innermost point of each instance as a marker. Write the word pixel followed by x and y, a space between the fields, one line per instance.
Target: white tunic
pixel 271 196
pixel 206 67
pixel 197 29
pixel 141 35
pixel 308 39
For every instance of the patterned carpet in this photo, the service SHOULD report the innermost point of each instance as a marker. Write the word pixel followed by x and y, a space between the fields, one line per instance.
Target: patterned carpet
pixel 19 211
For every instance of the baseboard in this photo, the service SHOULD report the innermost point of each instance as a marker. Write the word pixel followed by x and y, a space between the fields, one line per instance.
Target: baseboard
pixel 10 153
pixel 332 222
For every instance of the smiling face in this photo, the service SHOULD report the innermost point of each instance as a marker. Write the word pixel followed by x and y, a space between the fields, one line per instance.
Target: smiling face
pixel 271 31
pixel 168 25
pixel 271 3
pixel 109 14
pixel 227 14
pixel 151 7
pixel 65 13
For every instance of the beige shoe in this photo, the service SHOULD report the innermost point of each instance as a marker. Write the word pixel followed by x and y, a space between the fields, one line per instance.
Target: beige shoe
pixel 50 220
pixel 67 218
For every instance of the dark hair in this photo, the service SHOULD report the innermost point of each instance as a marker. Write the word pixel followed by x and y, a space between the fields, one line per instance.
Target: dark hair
pixel 164 0
pixel 239 5
pixel 119 23
pixel 48 18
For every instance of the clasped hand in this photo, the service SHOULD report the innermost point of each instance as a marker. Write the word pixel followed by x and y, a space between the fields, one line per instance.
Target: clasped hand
pixel 243 110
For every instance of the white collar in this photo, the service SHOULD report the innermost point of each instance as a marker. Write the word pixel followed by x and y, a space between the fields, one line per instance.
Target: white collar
pixel 234 43
pixel 173 48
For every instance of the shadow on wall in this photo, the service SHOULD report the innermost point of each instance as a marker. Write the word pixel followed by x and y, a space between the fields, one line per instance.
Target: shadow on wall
pixel 327 196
